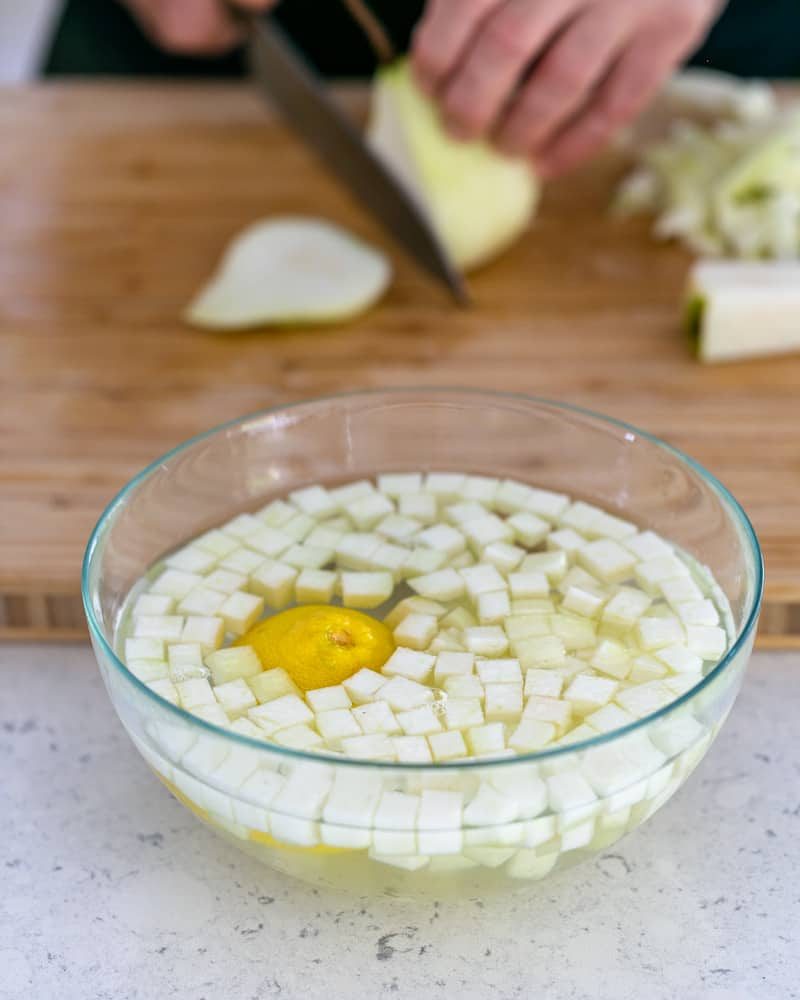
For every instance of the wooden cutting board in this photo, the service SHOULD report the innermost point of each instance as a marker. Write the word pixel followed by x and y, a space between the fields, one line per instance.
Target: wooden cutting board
pixel 115 202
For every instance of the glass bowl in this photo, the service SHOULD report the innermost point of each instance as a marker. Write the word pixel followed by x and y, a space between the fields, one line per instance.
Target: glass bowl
pixel 484 824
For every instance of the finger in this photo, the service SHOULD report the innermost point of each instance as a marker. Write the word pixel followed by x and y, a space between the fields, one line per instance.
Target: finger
pixel 632 83
pixel 441 36
pixel 198 27
pixel 565 76
pixel 509 39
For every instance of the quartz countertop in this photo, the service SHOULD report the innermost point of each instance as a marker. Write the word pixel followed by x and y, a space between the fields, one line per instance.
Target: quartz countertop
pixel 111 890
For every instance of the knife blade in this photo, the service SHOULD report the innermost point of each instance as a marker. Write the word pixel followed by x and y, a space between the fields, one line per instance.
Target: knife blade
pixel 302 99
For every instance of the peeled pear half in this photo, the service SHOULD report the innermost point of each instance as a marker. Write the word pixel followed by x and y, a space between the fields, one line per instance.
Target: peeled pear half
pixel 478 201
pixel 290 270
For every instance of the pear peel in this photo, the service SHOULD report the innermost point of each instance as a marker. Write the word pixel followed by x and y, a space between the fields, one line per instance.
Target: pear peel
pixel 290 271
pixel 478 201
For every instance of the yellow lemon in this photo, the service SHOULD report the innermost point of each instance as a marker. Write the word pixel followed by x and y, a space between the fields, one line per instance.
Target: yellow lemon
pixel 318 644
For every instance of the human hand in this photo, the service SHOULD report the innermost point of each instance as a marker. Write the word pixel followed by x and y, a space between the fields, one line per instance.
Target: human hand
pixel 552 79
pixel 194 27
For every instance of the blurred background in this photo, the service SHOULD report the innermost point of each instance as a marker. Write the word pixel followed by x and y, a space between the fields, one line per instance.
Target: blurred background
pixel 101 37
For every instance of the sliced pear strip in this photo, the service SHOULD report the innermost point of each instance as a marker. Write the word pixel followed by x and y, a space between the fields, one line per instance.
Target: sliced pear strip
pixel 478 201
pixel 291 270
pixel 739 309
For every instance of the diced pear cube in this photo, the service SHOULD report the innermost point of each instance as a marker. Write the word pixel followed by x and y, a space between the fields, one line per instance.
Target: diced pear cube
pixel 396 484
pixel 398 528
pixel 186 654
pixel 447 746
pixel 282 712
pixel 412 749
pixel 569 790
pixel 503 702
pixel 607 560
pixel 582 601
pixel 236 661
pixel 610 657
pixel 416 632
pixel 298 737
pixel 647 545
pixel 527 626
pixel 410 663
pixel 364 685
pixel 153 604
pixel 419 721
pixel 277 513
pixel 444 585
pixel 355 550
pixel 528 584
pixel 531 735
pixel 701 612
pixel 482 579
pixel 680 659
pixel 459 618
pixel 608 718
pixel 344 495
pixel 486 640
pixel 315 586
pixel 596 523
pixel 397 811
pixel 528 529
pixel 647 668
pixel 440 809
pixel 195 692
pixel 192 559
pixel 499 671
pixel 487 738
pixel 643 699
pixel 326 698
pixel 422 561
pixel 148 671
pixel 462 713
pixel 314 501
pixel 483 531
pixel 421 507
pixel 674 735
pixel 545 683
pixel 656 633
pixel 167 627
pixel 207 630
pixel 275 583
pixel 511 496
pixel 558 711
pixel 366 590
pixel 216 542
pixel 241 611
pixel 503 556
pixel 270 542
pixel 176 583
pixel 403 694
pixel 567 540
pixel 299 527
pixel 225 581
pixel 480 488
pixel 411 605
pixel 242 560
pixel 531 606
pixel 540 651
pixel 546 503
pixel 681 589
pixel 304 556
pixel 376 717
pixel 367 511
pixel 653 572
pixel 271 684
pixel 336 724
pixel 235 697
pixel 390 557
pixel 245 727
pixel 375 746
pixel 464 686
pixel 462 561
pixel 452 664
pixel 448 640
pixel 460 513
pixel 442 538
pixel 553 564
pixel 576 632
pixel 445 486
pixel 587 693
pixel 325 537
pixel 625 608
pixel 144 649
pixel 202 601
pixel 215 714
pixel 710 642
pixel 493 608
pixel 165 689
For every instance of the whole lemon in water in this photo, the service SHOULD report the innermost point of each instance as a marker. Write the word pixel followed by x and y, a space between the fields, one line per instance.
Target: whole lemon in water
pixel 319 645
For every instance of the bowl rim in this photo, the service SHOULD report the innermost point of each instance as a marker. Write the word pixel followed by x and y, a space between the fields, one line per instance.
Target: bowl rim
pixel 489 395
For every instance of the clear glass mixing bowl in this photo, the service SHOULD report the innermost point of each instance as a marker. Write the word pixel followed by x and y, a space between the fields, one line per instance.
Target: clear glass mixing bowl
pixel 489 825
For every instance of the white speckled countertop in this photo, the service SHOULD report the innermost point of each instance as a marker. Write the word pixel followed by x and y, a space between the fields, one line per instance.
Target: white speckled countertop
pixel 110 890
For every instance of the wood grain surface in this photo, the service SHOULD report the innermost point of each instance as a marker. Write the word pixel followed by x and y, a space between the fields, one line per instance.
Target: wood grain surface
pixel 115 203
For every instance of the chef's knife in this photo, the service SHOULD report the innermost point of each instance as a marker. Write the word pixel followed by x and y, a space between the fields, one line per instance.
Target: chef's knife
pixel 303 100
